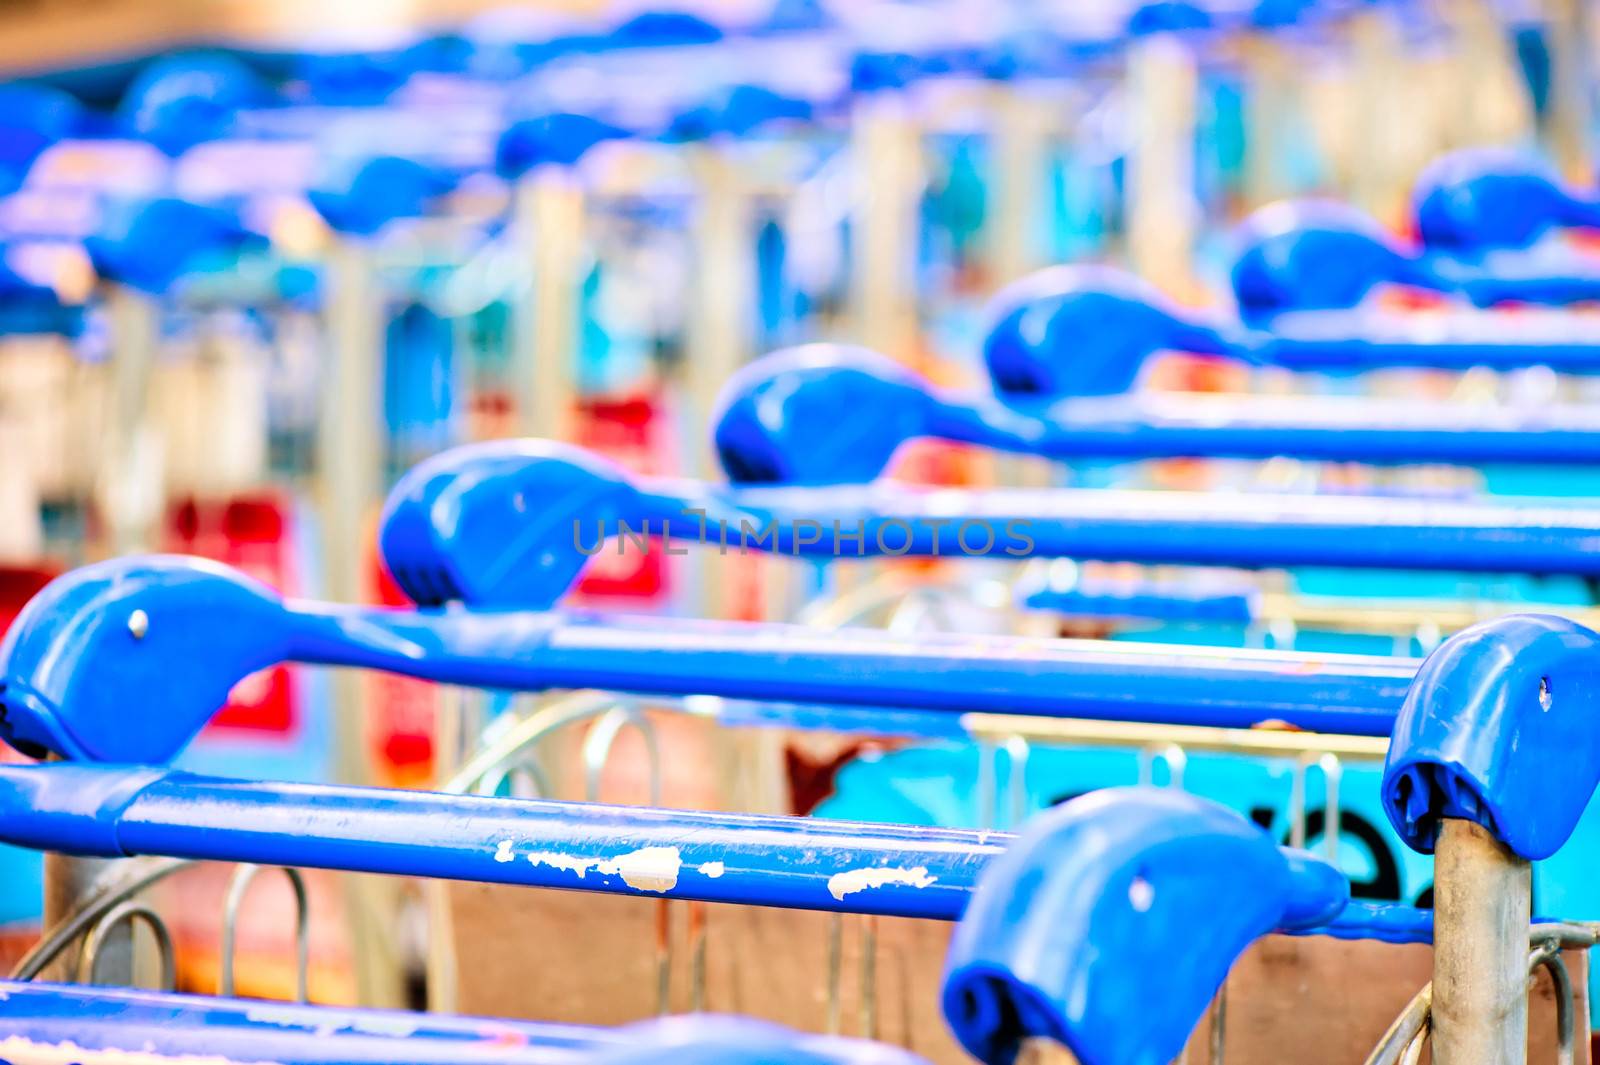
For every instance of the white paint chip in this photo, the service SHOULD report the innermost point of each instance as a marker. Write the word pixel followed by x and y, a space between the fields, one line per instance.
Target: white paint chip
pixel 646 869
pixel 564 861
pixel 854 880
pixel 503 853
pixel 713 869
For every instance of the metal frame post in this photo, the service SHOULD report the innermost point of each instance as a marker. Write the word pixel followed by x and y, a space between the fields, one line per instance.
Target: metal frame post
pixel 548 220
pixel 1482 907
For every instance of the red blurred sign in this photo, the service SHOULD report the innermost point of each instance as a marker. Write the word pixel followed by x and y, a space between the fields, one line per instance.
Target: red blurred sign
pixel 403 711
pixel 629 432
pixel 18 584
pixel 250 533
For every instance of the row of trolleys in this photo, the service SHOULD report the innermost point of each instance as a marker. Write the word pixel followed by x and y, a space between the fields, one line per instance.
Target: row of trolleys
pixel 1108 925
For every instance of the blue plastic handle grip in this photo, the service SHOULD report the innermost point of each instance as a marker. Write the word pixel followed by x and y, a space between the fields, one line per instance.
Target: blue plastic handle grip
pixel 1498 728
pixel 178 634
pixel 45 1018
pixel 793 862
pixel 776 423
pixel 148 245
pixel 361 195
pixel 1111 922
pixel 1479 199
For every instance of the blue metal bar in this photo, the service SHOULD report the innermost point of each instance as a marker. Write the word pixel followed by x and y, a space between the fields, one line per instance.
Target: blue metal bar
pixel 1248 531
pixel 1309 341
pixel 41 1016
pixel 45 1020
pixel 1233 603
pixel 1339 429
pixel 113 811
pixel 792 862
pixel 179 633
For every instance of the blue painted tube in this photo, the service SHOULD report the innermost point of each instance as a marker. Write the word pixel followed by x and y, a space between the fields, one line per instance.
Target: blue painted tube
pixel 1319 256
pixel 1249 531
pixel 769 861
pixel 1352 695
pixel 1373 431
pixel 1296 347
pixel 1168 601
pixel 42 1017
pixel 181 633
pixel 792 862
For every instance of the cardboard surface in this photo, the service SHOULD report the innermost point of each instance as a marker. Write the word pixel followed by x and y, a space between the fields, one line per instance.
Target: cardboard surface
pixel 569 956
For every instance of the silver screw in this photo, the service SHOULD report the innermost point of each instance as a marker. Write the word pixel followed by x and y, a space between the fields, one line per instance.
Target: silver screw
pixel 138 624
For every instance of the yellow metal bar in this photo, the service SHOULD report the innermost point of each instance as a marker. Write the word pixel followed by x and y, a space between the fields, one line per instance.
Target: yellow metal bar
pixel 1260 741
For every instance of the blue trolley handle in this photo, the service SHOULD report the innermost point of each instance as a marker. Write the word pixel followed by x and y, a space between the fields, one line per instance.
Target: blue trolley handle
pixel 756 860
pixel 148 245
pixel 1320 256
pixel 777 423
pixel 180 633
pixel 511 524
pixel 99 1020
pixel 1122 885
pixel 1478 199
pixel 1091 331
